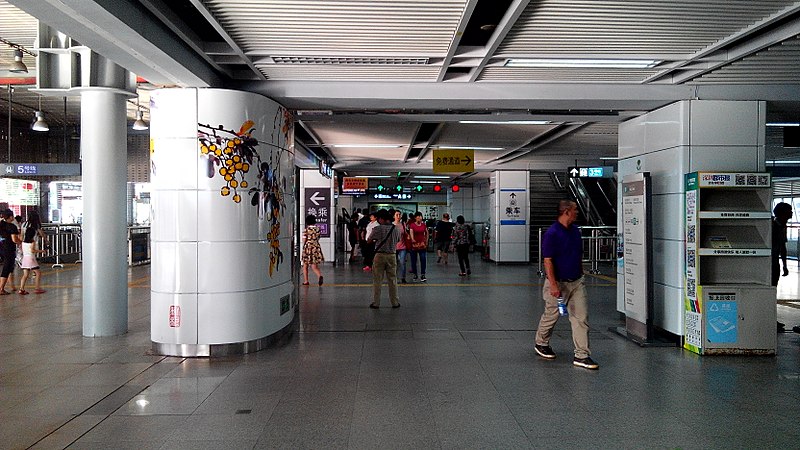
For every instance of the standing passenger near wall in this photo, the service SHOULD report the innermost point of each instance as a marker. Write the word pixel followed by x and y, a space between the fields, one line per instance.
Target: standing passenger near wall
pixel 418 232
pixel 562 250
pixel 384 237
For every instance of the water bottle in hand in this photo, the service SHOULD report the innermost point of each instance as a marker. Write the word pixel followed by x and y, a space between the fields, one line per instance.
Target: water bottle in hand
pixel 562 307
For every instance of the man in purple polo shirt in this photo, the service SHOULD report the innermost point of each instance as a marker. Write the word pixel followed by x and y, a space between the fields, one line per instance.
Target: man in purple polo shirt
pixel 562 252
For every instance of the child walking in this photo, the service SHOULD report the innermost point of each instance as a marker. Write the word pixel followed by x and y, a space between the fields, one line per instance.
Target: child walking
pixel 29 251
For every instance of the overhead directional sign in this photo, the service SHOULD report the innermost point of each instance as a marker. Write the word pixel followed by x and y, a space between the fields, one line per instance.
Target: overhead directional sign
pixel 448 161
pixel 591 172
pixel 39 170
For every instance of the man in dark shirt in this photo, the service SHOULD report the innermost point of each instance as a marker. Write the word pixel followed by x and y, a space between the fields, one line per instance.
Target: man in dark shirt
pixel 442 237
pixel 782 213
pixel 562 252
pixel 9 233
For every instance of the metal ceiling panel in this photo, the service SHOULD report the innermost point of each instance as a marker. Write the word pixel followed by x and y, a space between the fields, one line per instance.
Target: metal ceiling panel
pixel 489 135
pixel 585 27
pixel 501 73
pixel 345 27
pixel 777 64
pixel 349 72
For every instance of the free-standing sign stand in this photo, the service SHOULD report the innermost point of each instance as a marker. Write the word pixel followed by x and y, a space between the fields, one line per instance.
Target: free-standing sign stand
pixel 638 261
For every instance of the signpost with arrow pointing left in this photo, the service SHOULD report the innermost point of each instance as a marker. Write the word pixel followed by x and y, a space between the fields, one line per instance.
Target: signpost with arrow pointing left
pixel 318 204
pixel 450 161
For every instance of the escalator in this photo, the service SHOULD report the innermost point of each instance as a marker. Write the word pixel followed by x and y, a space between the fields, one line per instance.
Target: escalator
pixel 597 199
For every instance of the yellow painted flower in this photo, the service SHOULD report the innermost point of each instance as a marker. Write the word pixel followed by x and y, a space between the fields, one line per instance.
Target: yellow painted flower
pixel 218 152
pixel 223 171
pixel 239 166
pixel 228 177
pixel 245 167
pixel 244 184
pixel 237 198
pixel 237 158
pixel 204 149
pixel 234 184
pixel 225 191
pixel 230 144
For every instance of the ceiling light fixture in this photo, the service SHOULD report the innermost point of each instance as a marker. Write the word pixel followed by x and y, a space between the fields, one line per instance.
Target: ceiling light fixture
pixel 783 124
pixel 507 122
pixel 139 124
pixel 438 177
pixel 18 66
pixel 455 147
pixel 367 145
pixel 584 63
pixel 39 124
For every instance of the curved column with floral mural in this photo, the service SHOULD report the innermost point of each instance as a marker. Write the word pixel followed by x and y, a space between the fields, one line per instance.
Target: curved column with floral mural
pixel 223 198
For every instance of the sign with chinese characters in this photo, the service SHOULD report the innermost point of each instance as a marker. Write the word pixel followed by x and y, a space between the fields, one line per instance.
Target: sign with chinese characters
pixel 721 318
pixel 354 185
pixel 18 192
pixel 637 256
pixel 513 207
pixel 40 170
pixel 733 179
pixel 591 172
pixel 395 196
pixel 448 161
pixel 318 204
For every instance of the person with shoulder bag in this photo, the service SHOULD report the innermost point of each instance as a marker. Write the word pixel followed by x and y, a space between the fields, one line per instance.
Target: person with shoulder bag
pixel 401 247
pixel 419 246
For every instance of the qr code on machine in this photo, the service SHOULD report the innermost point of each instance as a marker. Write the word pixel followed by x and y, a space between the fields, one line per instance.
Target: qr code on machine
pixel 763 180
pixel 740 180
pixel 690 288
pixel 690 258
pixel 752 180
pixel 691 234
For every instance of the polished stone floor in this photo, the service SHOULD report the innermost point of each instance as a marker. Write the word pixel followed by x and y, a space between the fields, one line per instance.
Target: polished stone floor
pixel 452 368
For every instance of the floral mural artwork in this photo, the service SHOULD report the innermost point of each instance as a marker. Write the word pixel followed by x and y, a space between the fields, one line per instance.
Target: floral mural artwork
pixel 231 155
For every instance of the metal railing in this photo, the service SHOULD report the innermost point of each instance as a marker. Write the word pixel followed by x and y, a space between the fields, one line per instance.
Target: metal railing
pixel 64 241
pixel 599 245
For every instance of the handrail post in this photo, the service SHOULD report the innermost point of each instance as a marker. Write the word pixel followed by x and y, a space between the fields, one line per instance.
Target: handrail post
pixel 539 254
pixel 58 247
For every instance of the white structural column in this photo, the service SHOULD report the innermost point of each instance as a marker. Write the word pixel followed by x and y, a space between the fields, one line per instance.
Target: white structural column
pixel 104 167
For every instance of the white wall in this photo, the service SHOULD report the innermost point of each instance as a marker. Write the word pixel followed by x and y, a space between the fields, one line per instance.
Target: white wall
pixel 669 142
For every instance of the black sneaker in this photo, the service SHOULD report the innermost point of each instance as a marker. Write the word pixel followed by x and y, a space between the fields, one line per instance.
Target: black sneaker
pixel 469 272
pixel 545 351
pixel 587 363
pixel 414 279
pixel 403 280
pixel 423 279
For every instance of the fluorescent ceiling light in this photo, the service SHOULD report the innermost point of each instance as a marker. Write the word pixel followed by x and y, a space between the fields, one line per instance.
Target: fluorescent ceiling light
pixel 609 158
pixel 367 145
pixel 372 176
pixel 425 182
pixel 584 63
pixel 782 162
pixel 439 177
pixel 783 124
pixel 455 147
pixel 507 122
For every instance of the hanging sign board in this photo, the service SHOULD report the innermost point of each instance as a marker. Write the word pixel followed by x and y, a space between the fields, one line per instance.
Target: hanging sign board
pixel 449 161
pixel 318 204
pixel 354 185
pixel 40 170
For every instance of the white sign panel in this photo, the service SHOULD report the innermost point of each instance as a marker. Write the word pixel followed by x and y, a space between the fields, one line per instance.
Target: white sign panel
pixel 636 258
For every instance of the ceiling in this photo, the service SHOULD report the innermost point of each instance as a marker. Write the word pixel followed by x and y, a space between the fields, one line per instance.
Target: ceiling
pixel 377 85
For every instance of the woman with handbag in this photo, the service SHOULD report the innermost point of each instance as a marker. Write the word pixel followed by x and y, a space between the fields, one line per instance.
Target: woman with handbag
pixel 418 232
pixel 401 248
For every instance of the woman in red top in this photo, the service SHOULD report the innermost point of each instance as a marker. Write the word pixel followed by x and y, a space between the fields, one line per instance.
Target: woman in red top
pixel 419 246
